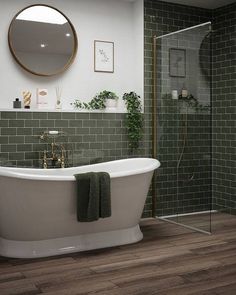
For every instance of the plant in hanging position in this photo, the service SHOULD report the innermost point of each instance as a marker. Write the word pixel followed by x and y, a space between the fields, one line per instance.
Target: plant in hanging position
pixel 134 119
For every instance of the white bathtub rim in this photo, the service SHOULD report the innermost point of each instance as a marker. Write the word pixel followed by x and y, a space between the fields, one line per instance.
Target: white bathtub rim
pixel 66 245
pixel 149 164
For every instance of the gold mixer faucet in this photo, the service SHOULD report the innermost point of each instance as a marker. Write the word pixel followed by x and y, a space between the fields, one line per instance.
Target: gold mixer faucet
pixel 57 153
pixel 54 157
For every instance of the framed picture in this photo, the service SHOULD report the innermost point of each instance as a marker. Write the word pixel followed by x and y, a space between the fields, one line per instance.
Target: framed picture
pixel 177 62
pixel 103 56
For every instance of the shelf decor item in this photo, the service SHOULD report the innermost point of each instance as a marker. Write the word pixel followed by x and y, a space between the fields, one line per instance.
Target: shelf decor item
pixel 110 99
pixel 103 56
pixel 27 99
pixel 17 103
pixel 42 98
pixel 98 102
pixel 58 96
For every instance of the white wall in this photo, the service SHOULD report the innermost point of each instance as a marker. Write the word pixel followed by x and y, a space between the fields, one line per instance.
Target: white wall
pixel 110 20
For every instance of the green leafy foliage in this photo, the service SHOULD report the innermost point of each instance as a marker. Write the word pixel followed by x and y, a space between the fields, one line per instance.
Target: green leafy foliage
pixel 104 95
pixel 134 119
pixel 192 102
pixel 97 102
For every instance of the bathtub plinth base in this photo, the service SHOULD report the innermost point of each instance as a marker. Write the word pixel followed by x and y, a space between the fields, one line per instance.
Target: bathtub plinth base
pixel 59 246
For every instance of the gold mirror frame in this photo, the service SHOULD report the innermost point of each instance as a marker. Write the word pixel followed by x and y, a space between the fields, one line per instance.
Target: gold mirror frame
pixel 26 68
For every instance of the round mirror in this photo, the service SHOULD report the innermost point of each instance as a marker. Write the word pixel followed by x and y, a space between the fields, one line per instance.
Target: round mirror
pixel 42 40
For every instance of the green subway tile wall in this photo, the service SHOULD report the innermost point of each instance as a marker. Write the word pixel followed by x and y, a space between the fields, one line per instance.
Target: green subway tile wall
pixel 224 109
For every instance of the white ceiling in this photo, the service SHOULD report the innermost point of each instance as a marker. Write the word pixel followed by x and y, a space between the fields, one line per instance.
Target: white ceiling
pixel 211 4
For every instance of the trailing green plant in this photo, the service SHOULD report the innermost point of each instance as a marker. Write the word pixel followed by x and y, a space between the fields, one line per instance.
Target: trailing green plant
pixel 189 101
pixel 134 119
pixel 107 95
pixel 97 102
pixel 94 104
pixel 192 102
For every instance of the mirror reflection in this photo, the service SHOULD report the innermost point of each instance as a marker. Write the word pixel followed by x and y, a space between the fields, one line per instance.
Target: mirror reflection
pixel 42 40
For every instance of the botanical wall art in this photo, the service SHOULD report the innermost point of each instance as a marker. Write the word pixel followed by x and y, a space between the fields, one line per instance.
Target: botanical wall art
pixel 103 56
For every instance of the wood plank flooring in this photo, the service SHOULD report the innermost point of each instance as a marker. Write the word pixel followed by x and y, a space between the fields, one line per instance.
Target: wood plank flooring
pixel 169 260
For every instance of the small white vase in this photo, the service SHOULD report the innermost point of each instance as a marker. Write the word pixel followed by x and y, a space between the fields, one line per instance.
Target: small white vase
pixel 58 105
pixel 111 103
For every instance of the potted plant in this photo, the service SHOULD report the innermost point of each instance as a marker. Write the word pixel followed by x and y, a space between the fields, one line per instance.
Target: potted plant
pixel 98 102
pixel 134 119
pixel 110 98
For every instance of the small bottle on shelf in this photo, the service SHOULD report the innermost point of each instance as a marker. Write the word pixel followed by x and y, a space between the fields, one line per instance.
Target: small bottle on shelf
pixel 17 103
pixel 184 92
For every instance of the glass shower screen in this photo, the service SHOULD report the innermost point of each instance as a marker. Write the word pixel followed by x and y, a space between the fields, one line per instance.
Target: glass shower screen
pixel 184 133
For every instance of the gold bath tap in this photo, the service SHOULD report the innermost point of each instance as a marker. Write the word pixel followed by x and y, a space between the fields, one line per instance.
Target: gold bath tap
pixel 54 156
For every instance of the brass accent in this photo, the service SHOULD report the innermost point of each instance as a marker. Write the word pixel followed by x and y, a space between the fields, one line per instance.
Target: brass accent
pixel 55 157
pixel 45 164
pixel 62 157
pixel 154 124
pixel 57 153
pixel 26 68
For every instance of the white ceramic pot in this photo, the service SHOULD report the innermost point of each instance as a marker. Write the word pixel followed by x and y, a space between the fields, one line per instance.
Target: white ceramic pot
pixel 111 103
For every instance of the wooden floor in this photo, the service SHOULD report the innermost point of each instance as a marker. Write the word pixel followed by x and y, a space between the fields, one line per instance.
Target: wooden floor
pixel 169 260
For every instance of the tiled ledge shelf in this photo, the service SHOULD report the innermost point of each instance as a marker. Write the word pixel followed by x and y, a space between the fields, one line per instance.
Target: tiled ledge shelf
pixel 109 111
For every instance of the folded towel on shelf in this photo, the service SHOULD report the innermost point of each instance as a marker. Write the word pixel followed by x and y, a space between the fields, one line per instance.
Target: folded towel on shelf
pixel 93 196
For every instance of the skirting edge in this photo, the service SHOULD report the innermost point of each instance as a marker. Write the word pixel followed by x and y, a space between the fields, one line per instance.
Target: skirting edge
pixel 60 246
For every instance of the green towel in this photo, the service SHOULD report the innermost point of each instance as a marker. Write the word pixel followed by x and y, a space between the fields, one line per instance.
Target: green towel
pixel 93 196
pixel 104 194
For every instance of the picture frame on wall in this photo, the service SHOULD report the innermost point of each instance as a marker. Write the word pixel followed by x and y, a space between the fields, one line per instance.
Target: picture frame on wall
pixel 103 56
pixel 177 62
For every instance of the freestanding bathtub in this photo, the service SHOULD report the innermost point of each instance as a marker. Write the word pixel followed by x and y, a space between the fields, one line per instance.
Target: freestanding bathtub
pixel 38 209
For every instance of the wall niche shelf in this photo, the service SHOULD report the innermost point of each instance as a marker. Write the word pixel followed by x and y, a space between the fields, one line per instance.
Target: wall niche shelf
pixel 106 111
